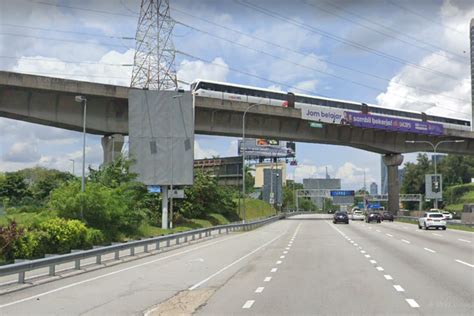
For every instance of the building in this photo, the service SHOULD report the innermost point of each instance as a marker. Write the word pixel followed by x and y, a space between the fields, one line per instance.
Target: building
pixel 228 170
pixel 374 188
pixel 401 176
pixel 321 184
pixel 259 172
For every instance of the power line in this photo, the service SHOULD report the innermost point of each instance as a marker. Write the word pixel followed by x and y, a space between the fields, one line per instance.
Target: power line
pixel 65 61
pixel 73 75
pixel 425 18
pixel 303 55
pixel 391 35
pixel 341 40
pixel 68 32
pixel 84 9
pixel 280 83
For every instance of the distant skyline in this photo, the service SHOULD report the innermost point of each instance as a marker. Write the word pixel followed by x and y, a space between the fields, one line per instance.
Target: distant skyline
pixel 342 49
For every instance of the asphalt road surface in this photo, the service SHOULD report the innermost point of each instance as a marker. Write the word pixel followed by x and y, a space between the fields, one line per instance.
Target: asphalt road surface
pixel 297 266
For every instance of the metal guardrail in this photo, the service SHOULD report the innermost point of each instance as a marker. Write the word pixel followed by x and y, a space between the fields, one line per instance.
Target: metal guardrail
pixel 449 222
pixel 155 243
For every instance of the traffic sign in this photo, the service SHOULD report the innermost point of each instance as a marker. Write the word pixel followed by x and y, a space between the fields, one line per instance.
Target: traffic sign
pixel 342 193
pixel 176 194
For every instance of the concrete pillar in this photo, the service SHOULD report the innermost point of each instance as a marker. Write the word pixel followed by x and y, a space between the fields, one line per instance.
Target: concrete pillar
pixel 112 146
pixel 392 161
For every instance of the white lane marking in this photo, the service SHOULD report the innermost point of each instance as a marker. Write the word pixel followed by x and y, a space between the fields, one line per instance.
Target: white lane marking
pixel 233 263
pixel 412 302
pixel 465 263
pixel 360 247
pixel 274 270
pixel 406 241
pixel 367 256
pixel 464 240
pixel 285 252
pixel 388 277
pixel 437 235
pixel 356 245
pixel 248 304
pixel 279 262
pixel 430 250
pixel 259 289
pixel 379 268
pixel 389 235
pixel 267 279
pixel 287 248
pixel 116 272
pixel 362 251
pixel 352 241
pixel 282 257
pixel 378 231
pixel 373 261
pixel 399 288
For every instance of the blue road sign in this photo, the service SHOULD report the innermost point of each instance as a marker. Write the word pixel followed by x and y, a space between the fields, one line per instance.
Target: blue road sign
pixel 342 193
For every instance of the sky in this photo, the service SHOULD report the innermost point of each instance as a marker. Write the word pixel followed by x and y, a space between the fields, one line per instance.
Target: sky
pixel 398 54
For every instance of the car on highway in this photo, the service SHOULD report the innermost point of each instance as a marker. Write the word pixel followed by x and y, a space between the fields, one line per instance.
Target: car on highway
pixel 357 215
pixel 340 217
pixel 387 216
pixel 373 217
pixel 432 219
pixel 447 215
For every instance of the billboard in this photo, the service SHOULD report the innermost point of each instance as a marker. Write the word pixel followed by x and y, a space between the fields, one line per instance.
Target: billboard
pixel 322 114
pixel 267 148
pixel 392 123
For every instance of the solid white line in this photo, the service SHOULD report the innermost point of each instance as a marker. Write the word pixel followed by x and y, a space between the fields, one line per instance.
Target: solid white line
pixel 412 302
pixel 195 286
pixel 389 235
pixel 248 304
pixel 430 250
pixel 367 256
pixel 259 289
pixel 465 263
pixel 388 277
pixel 437 235
pixel 399 288
pixel 373 261
pixel 274 270
pixel 279 262
pixel 114 272
pixel 464 240
pixel 406 241
pixel 267 279
pixel 282 257
pixel 379 268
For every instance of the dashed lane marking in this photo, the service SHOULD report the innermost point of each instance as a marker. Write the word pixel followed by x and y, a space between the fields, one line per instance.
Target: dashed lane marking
pixel 430 250
pixel 259 289
pixel 273 270
pixel 464 240
pixel 267 279
pixel 465 263
pixel 412 303
pixel 399 288
pixel 379 268
pixel 388 277
pixel 248 304
pixel 406 241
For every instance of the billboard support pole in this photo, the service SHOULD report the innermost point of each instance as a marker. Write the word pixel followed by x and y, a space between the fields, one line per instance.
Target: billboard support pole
pixel 164 207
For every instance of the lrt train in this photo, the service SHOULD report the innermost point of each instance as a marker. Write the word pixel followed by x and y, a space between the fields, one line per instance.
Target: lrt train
pixel 234 92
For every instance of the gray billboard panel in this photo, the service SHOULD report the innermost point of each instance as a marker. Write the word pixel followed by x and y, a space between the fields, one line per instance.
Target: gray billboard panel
pixel 161 134
pixel 434 186
pixel 261 147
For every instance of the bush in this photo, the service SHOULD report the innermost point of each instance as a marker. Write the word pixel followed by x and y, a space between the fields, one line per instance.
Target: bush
pixel 454 193
pixel 107 209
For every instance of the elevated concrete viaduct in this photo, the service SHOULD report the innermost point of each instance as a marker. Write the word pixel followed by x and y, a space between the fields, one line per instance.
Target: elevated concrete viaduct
pixel 50 101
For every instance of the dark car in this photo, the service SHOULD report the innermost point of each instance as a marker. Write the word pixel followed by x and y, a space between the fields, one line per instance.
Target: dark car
pixel 340 217
pixel 373 217
pixel 387 217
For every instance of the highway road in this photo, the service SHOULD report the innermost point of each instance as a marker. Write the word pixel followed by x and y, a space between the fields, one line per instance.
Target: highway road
pixel 297 266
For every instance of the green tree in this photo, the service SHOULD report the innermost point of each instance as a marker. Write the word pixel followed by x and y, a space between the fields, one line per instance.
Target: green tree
pixel 14 187
pixel 456 169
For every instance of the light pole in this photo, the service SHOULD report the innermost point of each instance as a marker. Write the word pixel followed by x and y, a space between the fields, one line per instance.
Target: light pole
pixel 83 100
pixel 435 147
pixel 73 162
pixel 243 161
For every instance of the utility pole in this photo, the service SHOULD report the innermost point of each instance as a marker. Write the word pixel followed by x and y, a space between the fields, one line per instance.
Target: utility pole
pixel 154 60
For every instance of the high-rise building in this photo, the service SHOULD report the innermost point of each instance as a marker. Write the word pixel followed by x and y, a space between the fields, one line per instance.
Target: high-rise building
pixel 471 42
pixel 373 188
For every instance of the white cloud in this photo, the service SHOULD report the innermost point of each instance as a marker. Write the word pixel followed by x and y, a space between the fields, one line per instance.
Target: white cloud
pixel 307 85
pixel 352 176
pixel 22 152
pixel 303 171
pixel 200 153
pixel 189 71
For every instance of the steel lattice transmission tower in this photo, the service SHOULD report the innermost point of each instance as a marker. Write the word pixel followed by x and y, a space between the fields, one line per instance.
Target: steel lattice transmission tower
pixel 153 66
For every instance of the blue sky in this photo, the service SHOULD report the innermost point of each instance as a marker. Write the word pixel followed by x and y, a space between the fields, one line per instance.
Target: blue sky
pixel 414 56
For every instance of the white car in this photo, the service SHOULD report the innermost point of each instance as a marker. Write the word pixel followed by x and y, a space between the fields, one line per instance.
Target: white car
pixel 447 215
pixel 432 219
pixel 357 216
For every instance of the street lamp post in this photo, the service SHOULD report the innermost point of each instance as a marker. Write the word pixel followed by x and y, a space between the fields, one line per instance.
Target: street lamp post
pixel 435 147
pixel 243 162
pixel 83 100
pixel 73 162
